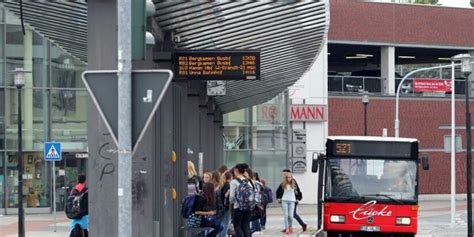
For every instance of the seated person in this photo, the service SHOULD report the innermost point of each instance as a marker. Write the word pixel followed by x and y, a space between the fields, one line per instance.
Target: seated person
pixel 205 205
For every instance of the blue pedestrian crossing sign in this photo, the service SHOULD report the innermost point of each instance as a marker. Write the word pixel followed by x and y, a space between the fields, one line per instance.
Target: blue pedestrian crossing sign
pixel 52 151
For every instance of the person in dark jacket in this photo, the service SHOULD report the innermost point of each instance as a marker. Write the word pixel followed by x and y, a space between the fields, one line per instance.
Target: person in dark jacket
pixel 240 218
pixel 84 221
pixel 206 206
pixel 299 196
pixel 224 193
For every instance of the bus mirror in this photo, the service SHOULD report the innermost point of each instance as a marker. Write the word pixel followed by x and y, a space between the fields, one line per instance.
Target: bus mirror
pixel 425 162
pixel 314 165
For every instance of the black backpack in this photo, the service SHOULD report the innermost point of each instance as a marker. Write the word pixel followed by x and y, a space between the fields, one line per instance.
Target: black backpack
pixel 76 205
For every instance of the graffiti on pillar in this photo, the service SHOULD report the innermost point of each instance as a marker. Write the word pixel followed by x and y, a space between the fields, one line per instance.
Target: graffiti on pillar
pixel 108 168
pixel 139 188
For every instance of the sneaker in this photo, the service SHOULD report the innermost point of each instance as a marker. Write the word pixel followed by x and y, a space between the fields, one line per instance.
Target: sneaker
pixel 305 227
pixel 283 231
pixel 290 230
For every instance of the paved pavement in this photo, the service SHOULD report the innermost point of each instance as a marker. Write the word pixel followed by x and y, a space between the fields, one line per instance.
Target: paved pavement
pixel 434 221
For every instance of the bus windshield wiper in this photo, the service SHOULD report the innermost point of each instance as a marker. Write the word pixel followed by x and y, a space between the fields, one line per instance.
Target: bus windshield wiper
pixel 383 195
pixel 345 199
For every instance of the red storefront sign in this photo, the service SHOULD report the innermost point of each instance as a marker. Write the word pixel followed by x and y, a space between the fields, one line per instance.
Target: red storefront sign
pixel 431 85
pixel 308 113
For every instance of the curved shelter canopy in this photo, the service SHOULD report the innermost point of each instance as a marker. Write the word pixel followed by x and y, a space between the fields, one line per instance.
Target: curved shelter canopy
pixel 289 34
pixel 63 22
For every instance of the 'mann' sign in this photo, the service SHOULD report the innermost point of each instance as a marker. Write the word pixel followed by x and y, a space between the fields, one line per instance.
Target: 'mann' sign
pixel 308 113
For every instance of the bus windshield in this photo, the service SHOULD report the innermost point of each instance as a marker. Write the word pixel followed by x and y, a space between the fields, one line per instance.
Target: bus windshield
pixel 380 179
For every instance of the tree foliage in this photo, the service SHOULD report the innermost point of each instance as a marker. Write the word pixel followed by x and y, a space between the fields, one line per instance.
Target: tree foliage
pixel 472 3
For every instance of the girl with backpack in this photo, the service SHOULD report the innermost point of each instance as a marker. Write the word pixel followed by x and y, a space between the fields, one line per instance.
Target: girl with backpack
pixel 205 205
pixel 286 195
pixel 194 181
pixel 239 195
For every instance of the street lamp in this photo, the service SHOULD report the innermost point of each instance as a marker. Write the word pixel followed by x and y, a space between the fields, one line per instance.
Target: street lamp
pixel 365 101
pixel 397 93
pixel 466 69
pixel 19 81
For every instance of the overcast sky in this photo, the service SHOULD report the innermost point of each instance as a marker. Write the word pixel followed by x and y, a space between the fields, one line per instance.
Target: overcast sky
pixel 455 3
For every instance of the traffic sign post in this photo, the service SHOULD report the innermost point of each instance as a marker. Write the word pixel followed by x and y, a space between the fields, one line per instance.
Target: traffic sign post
pixel 148 88
pixel 53 152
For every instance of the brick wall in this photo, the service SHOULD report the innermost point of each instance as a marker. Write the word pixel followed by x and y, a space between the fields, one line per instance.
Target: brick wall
pixel 419 118
pixel 400 23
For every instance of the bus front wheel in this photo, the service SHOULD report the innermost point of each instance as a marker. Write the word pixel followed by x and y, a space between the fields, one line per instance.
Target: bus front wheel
pixel 332 234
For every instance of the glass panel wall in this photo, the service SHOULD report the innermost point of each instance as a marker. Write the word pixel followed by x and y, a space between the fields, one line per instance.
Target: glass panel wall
pixel 68 118
pixel 35 123
pixel 2 119
pixel 35 178
pixel 258 137
pixel 2 181
pixel 53 108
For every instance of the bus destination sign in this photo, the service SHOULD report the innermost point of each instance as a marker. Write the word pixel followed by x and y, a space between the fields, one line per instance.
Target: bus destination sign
pixel 217 65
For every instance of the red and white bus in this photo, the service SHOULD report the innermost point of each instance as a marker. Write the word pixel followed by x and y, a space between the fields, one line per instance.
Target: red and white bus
pixel 368 186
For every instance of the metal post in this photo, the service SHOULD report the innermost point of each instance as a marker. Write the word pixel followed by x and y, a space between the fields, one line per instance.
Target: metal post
pixel 453 151
pixel 124 65
pixel 21 211
pixel 365 101
pixel 54 195
pixel 397 121
pixel 365 119
pixel 468 159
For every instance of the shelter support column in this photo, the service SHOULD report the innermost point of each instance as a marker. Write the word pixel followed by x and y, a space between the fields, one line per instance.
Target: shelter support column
pixel 28 96
pixel 387 69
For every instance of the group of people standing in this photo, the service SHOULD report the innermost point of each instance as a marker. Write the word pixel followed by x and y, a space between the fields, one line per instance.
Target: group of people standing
pixel 234 201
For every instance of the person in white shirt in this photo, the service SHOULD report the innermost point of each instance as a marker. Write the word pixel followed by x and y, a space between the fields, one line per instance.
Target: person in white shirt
pixel 287 197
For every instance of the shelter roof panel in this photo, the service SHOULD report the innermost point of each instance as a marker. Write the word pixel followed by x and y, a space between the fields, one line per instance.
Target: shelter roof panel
pixel 289 35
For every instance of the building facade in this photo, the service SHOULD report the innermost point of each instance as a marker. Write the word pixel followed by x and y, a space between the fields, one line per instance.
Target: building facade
pixel 370 48
pixel 258 136
pixel 54 104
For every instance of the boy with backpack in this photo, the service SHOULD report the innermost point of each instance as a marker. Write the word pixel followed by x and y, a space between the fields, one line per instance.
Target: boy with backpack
pixel 77 208
pixel 267 198
pixel 242 200
pixel 257 214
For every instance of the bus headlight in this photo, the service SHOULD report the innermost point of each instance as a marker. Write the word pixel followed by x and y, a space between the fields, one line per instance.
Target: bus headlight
pixel 403 221
pixel 337 219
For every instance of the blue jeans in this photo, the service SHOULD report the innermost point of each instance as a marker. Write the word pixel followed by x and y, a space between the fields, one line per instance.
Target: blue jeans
pixel 288 211
pixel 263 221
pixel 83 222
pixel 225 223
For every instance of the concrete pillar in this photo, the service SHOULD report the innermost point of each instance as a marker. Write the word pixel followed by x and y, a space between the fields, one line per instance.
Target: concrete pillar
pixel 46 110
pixel 28 91
pixel 101 171
pixel 387 69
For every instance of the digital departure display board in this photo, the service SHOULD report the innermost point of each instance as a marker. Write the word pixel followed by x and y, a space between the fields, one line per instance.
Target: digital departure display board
pixel 376 149
pixel 217 65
